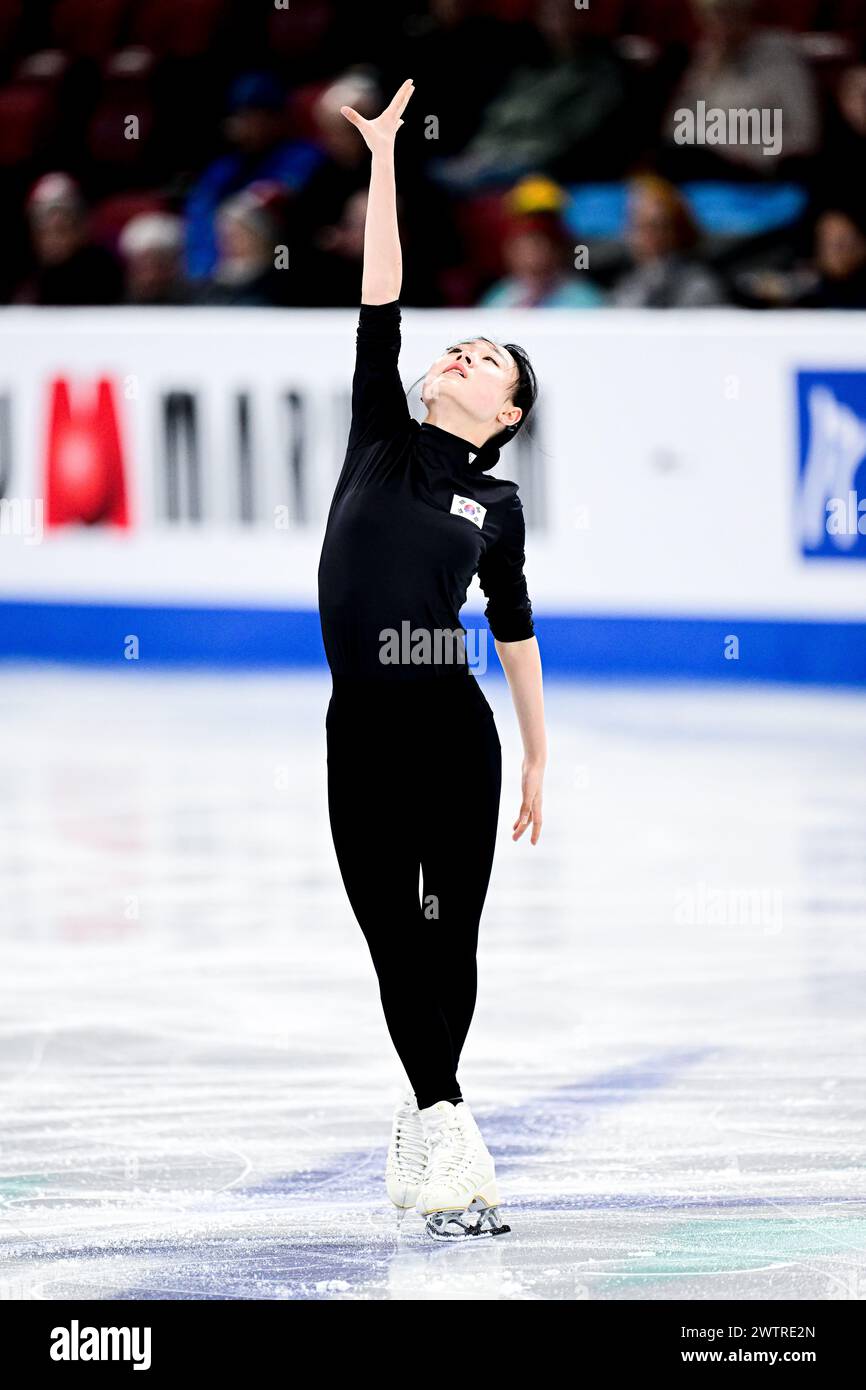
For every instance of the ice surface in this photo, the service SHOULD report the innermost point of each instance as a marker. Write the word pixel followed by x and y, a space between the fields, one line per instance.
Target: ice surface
pixel 667 1057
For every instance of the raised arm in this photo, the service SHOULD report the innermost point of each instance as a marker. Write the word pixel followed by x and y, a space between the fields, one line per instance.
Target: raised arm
pixel 383 261
pixel 379 406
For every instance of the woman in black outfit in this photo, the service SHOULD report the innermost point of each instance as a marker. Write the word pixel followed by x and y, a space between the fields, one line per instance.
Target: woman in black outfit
pixel 414 759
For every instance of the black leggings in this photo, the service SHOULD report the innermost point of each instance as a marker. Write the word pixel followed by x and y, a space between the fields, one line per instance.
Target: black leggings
pixel 414 778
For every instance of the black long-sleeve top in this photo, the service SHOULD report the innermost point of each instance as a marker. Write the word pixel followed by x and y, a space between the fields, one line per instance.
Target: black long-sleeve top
pixel 411 521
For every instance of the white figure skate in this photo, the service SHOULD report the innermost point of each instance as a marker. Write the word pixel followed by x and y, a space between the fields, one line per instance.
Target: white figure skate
pixel 458 1195
pixel 407 1154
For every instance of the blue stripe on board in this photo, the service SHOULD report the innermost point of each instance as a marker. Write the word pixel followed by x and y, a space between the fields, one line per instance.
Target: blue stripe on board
pixel 597 645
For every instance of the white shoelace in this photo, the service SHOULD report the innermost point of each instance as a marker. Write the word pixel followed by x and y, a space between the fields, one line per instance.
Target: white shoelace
pixel 410 1145
pixel 448 1153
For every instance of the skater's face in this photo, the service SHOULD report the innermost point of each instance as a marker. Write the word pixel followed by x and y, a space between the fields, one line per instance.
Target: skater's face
pixel 480 377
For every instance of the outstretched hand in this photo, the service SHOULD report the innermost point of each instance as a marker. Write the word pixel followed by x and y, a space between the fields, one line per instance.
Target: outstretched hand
pixel 381 132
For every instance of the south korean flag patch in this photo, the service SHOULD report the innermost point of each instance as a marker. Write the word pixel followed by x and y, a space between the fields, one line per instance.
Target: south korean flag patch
pixel 468 507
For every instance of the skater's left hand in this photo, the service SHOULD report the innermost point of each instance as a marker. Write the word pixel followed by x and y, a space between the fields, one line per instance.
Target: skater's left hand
pixel 530 810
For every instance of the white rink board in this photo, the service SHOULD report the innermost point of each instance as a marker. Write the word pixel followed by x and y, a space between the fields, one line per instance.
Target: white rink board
pixel 663 480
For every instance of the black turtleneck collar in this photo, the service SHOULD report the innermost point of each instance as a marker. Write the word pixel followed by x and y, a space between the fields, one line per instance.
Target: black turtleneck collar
pixel 459 450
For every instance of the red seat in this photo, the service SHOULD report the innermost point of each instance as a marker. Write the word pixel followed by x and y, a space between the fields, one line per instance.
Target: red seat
pixel 459 286
pixel 10 18
pixel 109 217
pixel 666 21
pixel 482 222
pixel 509 11
pixel 299 30
pixel 790 14
pixel 89 28
pixel 27 113
pixel 848 17
pixel 126 91
pixel 178 28
pixel 107 143
pixel 300 107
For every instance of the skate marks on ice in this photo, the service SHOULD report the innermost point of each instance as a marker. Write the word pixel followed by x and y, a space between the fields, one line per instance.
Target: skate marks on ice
pixel 195 1076
pixel 328 1232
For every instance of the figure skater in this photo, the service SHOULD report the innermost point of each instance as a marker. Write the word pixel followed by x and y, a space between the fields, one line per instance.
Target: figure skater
pixel 413 753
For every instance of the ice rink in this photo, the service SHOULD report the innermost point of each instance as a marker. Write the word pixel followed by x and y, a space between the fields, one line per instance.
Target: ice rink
pixel 666 1060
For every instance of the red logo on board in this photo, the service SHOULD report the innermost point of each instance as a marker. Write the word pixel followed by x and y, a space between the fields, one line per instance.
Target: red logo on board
pixel 84 477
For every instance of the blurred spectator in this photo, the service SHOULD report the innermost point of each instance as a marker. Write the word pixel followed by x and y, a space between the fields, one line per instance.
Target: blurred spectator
pixel 255 128
pixel 249 236
pixel 70 269
pixel 539 255
pixel 337 258
pixel 840 262
pixel 737 66
pixel 326 219
pixel 476 52
pixel 505 92
pixel 152 247
pixel 662 235
pixel 561 116
pixel 845 137
pixel 344 160
pixel 327 274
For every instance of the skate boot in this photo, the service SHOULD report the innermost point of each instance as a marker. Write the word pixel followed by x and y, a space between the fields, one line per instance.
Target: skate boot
pixel 407 1154
pixel 458 1195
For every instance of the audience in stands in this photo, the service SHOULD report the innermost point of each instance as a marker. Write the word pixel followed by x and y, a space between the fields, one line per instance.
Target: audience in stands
pixel 336 257
pixel 152 246
pixel 562 115
pixel 843 157
pixel 255 130
pixel 69 269
pixel 739 66
pixel 662 237
pixel 253 266
pixel 544 268
pixel 239 135
pixel 840 262
pixel 343 159
pixel 477 52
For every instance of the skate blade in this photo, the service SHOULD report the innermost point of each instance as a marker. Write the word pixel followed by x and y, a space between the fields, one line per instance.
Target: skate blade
pixel 405 1198
pixel 476 1220
pixel 404 1206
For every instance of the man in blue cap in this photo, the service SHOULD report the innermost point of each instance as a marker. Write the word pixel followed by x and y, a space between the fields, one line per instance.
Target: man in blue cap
pixel 255 130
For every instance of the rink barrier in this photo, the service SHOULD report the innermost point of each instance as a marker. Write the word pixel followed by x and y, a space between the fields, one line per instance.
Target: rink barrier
pixel 813 652
pixel 677 464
